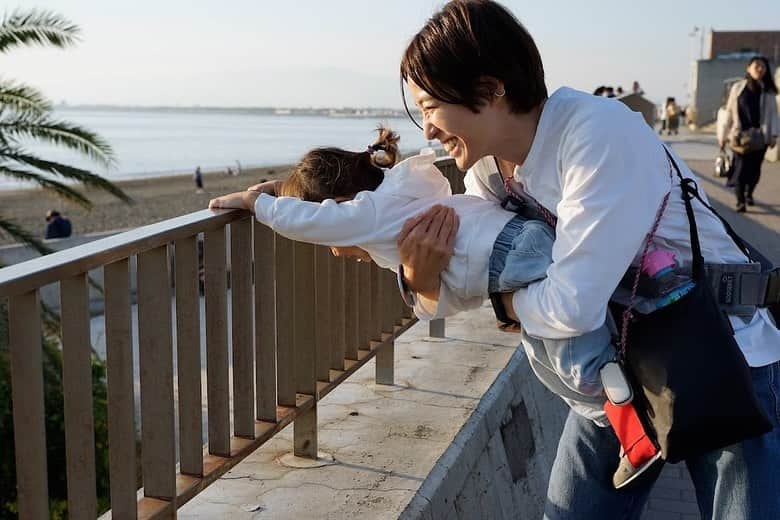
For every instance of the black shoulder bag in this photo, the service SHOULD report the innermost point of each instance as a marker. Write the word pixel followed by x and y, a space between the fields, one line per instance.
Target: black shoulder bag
pixel 692 385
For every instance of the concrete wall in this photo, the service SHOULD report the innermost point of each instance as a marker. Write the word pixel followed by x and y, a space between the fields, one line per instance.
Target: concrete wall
pixel 499 464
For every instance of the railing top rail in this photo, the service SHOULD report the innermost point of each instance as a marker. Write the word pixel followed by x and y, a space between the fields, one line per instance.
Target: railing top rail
pixel 29 275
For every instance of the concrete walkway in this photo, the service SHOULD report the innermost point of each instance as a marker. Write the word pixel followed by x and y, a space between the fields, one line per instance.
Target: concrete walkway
pixel 673 497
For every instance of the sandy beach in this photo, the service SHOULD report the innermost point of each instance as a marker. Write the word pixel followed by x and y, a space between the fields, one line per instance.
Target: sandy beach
pixel 156 198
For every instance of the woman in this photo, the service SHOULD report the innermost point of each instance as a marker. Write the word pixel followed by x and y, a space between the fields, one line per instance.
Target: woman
pixel 751 104
pixel 477 77
pixel 672 110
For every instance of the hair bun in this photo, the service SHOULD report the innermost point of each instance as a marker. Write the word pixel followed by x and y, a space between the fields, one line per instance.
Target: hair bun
pixel 382 159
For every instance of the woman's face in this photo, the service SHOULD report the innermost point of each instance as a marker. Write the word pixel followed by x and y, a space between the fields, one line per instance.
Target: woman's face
pixel 756 70
pixel 463 133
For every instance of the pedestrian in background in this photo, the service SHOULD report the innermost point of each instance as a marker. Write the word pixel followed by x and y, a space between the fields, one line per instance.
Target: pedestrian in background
pixel 198 176
pixel 749 126
pixel 57 226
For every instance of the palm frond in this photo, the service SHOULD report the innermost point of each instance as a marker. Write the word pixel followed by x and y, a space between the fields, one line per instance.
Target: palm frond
pixel 82 176
pixel 23 99
pixel 59 133
pixel 62 190
pixel 19 234
pixel 34 27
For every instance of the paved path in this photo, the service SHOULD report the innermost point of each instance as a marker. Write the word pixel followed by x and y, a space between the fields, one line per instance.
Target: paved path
pixel 673 496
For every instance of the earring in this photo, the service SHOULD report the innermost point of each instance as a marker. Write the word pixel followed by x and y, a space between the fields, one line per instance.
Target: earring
pixel 500 94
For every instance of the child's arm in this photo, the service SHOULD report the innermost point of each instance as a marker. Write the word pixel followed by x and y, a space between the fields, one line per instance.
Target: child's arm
pixel 327 223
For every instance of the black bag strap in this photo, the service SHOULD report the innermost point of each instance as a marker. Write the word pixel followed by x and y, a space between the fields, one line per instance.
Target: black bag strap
pixel 691 189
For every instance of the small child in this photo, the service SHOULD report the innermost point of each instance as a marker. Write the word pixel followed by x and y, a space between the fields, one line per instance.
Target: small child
pixel 339 198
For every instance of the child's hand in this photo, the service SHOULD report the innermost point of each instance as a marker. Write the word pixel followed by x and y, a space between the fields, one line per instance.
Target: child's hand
pixel 269 187
pixel 239 200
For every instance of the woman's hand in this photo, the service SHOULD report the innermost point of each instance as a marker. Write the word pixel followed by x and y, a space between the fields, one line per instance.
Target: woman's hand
pixel 269 187
pixel 426 243
pixel 239 200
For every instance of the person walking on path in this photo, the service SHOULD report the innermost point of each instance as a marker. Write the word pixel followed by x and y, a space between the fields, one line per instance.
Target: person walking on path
pixel 57 226
pixel 672 116
pixel 198 176
pixel 751 109
pixel 478 79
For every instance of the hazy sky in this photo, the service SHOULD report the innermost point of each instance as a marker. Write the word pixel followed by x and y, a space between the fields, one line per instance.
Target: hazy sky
pixel 346 52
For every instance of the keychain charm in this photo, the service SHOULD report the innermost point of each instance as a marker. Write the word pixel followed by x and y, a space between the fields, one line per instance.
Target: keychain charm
pixel 616 384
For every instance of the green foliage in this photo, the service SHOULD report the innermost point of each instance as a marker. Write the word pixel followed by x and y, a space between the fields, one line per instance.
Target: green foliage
pixel 55 432
pixel 26 115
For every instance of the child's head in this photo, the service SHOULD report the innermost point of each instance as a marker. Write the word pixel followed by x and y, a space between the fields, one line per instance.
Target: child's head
pixel 330 173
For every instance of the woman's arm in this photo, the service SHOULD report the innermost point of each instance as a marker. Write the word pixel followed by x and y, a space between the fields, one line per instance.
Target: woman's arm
pixel 612 187
pixel 774 123
pixel 425 244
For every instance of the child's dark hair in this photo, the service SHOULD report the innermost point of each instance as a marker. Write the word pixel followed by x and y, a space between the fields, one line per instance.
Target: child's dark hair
pixel 328 173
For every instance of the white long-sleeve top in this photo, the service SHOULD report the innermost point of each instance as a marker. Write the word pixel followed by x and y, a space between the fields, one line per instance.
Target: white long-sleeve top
pixel 601 169
pixel 373 221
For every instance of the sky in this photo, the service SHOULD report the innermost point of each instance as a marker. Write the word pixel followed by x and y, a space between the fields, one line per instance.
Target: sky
pixel 339 53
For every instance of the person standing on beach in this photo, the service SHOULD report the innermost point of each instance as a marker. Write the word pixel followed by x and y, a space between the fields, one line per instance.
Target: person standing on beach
pixel 198 176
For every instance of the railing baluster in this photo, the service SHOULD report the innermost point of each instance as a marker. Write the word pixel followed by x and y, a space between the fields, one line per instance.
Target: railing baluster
pixel 217 383
pixel 322 311
pixel 338 310
pixel 385 372
pixel 364 305
pixel 27 391
pixel 376 302
pixel 77 394
pixel 352 329
pixel 156 364
pixel 241 312
pixel 265 323
pixel 285 355
pixel 121 399
pixel 305 425
pixel 190 391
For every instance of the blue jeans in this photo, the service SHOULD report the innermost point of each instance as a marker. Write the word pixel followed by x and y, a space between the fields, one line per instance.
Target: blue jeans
pixel 740 482
pixel 569 367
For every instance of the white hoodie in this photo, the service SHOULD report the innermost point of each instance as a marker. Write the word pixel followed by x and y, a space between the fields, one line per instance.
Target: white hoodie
pixel 373 220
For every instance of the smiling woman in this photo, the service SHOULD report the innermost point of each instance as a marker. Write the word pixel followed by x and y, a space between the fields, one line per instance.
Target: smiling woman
pixel 477 76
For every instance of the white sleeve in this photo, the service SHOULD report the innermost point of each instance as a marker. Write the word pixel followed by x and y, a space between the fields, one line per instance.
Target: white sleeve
pixel 448 304
pixel 612 186
pixel 774 123
pixel 328 223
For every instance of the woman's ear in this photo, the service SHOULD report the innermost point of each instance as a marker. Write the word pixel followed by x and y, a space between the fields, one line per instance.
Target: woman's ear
pixel 491 89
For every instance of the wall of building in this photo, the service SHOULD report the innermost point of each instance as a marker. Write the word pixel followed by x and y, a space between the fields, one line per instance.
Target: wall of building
pixel 761 42
pixel 709 78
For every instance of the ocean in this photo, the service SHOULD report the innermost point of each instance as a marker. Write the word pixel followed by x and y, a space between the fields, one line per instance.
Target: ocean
pixel 165 142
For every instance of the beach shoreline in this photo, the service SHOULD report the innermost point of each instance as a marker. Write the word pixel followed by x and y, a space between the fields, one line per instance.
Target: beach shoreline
pixel 155 199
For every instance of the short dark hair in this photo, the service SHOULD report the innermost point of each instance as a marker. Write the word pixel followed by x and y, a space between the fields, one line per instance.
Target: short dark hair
pixel 467 42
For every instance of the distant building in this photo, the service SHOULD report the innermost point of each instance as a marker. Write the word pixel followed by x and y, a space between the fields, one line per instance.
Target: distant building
pixel 729 52
pixel 723 43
